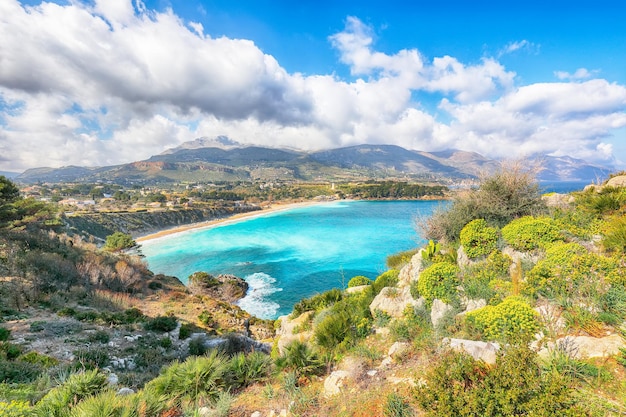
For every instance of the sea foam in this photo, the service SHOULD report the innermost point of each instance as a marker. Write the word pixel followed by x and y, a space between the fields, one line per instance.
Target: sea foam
pixel 256 301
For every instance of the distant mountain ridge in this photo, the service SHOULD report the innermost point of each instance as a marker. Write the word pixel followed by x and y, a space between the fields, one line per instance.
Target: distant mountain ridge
pixel 222 159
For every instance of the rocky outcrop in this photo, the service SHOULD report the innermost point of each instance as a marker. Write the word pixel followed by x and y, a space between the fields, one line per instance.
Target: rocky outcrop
pixel 585 347
pixel 292 330
pixel 334 382
pixel 225 287
pixel 411 271
pixel 558 200
pixel 485 351
pixel 393 301
pixel 438 311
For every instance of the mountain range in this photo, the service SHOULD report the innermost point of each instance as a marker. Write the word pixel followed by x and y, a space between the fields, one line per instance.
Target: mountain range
pixel 222 159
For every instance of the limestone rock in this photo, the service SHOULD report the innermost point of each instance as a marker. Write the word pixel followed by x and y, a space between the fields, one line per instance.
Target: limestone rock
pixel 472 305
pixel 125 391
pixel 287 328
pixel 357 289
pixel 256 414
pixel 334 382
pixel 584 347
pixel 399 349
pixel 485 351
pixel 438 310
pixel 617 181
pixel 558 200
pixel 393 301
pixel 411 271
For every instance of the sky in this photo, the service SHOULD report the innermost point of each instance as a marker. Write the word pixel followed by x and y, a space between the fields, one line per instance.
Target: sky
pixel 105 82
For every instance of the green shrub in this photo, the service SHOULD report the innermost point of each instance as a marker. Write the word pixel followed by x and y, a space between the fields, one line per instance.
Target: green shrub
pixel 606 201
pixel 109 404
pixel 247 369
pixel 477 280
pixel 386 279
pixel 438 281
pixel 118 241
pixel 10 351
pixel 528 233
pixel 614 234
pixel 19 372
pixel 460 386
pixel 569 270
pixel 5 334
pixel 358 281
pixel 37 358
pixel 186 329
pixel 317 302
pixel 513 320
pixel 478 239
pixel 100 336
pixel 398 260
pixel 298 357
pixel 333 330
pixel 206 318
pixel 198 376
pixel 63 398
pixel 161 324
pixel 91 358
pixel 396 406
pixel 197 347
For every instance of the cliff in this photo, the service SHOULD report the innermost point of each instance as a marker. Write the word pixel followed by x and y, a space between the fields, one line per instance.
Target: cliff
pixel 100 225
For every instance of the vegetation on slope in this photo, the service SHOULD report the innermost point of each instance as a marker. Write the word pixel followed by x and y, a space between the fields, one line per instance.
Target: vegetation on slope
pixel 537 275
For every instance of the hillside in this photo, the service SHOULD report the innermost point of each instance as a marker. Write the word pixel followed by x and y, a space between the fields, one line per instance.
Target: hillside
pixel 517 306
pixel 222 159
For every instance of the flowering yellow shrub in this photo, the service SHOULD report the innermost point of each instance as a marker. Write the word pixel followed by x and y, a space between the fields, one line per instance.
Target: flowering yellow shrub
pixel 528 233
pixel 438 281
pixel 511 320
pixel 478 239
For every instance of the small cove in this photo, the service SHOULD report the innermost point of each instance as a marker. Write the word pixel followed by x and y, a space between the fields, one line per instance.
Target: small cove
pixel 293 254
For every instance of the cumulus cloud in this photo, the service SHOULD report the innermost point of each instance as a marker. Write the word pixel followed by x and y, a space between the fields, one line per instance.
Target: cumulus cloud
pixel 110 81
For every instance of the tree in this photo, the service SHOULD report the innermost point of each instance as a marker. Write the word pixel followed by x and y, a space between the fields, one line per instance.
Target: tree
pixel 118 241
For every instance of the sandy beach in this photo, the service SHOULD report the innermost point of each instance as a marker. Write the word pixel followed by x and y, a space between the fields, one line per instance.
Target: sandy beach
pixel 277 207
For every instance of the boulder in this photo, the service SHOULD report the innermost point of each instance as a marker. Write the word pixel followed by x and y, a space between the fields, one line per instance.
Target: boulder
pixel 334 382
pixel 584 347
pixel 399 349
pixel 558 200
pixel 617 181
pixel 393 301
pixel 472 305
pixel 357 289
pixel 125 391
pixel 438 310
pixel 286 332
pixel 224 287
pixel 410 272
pixel 485 351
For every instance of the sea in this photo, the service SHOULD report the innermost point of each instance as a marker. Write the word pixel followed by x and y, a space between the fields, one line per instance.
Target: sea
pixel 289 255
pixel 294 254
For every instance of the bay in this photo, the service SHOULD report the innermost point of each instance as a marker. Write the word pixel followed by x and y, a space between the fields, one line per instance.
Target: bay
pixel 289 255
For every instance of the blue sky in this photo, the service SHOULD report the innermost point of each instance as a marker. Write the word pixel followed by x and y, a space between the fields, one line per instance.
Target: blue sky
pixel 111 81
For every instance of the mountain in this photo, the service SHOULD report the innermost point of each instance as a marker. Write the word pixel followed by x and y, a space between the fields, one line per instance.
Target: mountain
pixel 565 168
pixel 222 159
pixel 9 174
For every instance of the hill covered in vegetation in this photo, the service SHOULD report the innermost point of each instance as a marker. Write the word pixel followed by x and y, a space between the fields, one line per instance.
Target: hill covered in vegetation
pixel 516 307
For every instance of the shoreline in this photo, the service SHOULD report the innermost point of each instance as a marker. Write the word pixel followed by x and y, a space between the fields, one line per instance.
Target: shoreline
pixel 274 208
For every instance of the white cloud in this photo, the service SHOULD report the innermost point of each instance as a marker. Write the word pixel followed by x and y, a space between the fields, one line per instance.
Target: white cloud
pixel 113 82
pixel 579 74
pixel 515 46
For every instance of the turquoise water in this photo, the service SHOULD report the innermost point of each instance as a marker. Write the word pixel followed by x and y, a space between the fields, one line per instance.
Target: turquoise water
pixel 286 256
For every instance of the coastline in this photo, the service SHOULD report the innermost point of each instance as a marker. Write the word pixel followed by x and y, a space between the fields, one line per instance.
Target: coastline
pixel 274 208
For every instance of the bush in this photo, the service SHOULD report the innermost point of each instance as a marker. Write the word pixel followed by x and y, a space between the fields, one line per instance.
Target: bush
pixel 528 233
pixel 5 334
pixel 614 234
pixel 248 369
pixel 19 372
pixel 509 193
pixel 298 357
pixel 396 406
pixel 317 302
pixel 91 358
pixel 478 239
pixel 67 395
pixel 438 281
pixel 15 409
pixel 569 270
pixel 477 280
pixel 197 347
pixel 186 329
pixel 512 321
pixel 463 387
pixel 198 376
pixel 161 324
pixel 398 260
pixel 358 281
pixel 386 279
pixel 118 241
